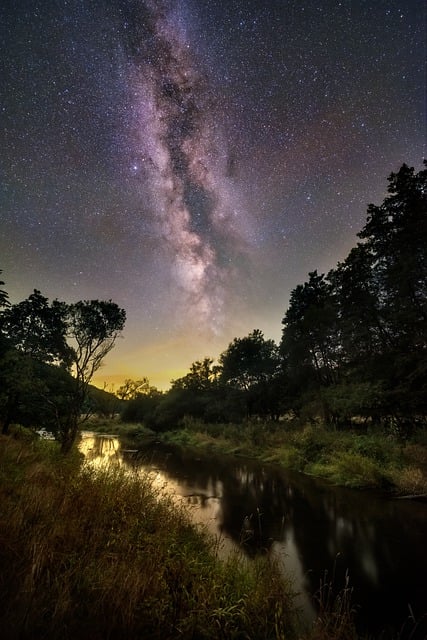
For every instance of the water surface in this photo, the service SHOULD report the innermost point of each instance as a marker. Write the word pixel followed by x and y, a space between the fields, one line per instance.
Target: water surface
pixel 312 526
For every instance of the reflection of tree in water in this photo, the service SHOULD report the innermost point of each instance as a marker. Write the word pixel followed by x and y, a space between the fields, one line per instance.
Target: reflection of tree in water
pixel 100 447
pixel 253 511
pixel 333 529
pixel 378 541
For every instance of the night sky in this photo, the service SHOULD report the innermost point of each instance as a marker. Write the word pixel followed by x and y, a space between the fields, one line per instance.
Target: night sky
pixel 193 160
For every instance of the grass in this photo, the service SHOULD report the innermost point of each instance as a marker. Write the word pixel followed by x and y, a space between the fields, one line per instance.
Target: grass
pixel 113 426
pixel 371 460
pixel 100 553
pixel 348 458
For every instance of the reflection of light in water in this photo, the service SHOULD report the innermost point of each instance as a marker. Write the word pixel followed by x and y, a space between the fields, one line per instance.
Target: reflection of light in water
pixel 369 565
pixel 343 527
pixel 100 450
pixel 204 508
pixel 287 554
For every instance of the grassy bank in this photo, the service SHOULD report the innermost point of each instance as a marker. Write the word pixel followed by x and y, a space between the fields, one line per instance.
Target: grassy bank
pixel 89 553
pixel 347 458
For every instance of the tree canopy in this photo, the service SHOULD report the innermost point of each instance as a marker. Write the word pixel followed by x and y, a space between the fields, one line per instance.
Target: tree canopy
pixel 353 346
pixel 50 352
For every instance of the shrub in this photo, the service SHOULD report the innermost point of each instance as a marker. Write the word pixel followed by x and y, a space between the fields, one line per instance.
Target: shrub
pixel 354 470
pixel 410 480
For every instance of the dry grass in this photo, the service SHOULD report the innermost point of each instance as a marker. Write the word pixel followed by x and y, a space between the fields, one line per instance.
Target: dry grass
pixel 97 553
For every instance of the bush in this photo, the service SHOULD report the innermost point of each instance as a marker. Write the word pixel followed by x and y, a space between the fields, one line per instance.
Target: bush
pixel 352 470
pixel 311 443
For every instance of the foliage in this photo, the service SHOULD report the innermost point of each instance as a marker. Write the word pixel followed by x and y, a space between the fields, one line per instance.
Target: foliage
pixel 203 376
pixel 348 458
pixel 101 553
pixel 4 297
pixel 249 361
pixel 356 338
pixel 48 355
pixel 131 389
pixel 37 328
pixel 142 408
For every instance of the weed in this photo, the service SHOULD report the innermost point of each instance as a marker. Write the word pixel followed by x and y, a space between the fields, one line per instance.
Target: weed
pixel 336 612
pixel 100 553
pixel 410 480
pixel 348 458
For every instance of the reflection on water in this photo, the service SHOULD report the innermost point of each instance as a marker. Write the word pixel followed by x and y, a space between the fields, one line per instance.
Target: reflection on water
pixel 309 525
pixel 99 449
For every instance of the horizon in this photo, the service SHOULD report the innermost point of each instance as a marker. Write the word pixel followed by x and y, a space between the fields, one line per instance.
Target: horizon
pixel 194 162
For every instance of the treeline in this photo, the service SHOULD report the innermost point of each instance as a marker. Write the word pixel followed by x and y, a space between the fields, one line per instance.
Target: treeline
pixel 353 348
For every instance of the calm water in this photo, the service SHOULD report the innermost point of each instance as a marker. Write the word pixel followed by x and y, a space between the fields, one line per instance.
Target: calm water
pixel 312 526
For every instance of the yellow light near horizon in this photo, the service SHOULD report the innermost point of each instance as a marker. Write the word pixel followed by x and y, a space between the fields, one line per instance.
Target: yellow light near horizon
pixel 111 382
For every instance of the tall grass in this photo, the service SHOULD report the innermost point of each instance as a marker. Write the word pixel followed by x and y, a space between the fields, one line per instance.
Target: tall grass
pixel 335 611
pixel 359 460
pixel 99 553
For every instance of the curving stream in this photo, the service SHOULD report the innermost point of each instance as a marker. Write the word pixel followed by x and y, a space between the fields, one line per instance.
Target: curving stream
pixel 310 525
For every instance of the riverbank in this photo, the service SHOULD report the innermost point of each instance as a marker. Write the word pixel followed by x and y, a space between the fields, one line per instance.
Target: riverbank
pixel 346 458
pixel 97 553
pixel 373 460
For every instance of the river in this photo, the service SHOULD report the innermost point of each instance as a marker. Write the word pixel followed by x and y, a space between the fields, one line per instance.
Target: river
pixel 311 526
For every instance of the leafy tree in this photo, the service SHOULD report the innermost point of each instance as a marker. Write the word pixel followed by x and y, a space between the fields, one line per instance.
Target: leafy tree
pixel 50 400
pixel 250 366
pixel 131 389
pixel 357 292
pixel 203 376
pixel 396 236
pixel 143 409
pixel 141 401
pixel 4 297
pixel 75 337
pixel 310 346
pixel 248 361
pixel 92 329
pixel 17 383
pixel 37 328
pixel 362 331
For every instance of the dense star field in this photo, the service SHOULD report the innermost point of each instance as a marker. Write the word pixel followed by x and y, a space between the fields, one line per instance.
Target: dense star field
pixel 193 160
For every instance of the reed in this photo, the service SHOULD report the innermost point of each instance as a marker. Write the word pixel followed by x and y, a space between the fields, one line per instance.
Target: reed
pixel 101 553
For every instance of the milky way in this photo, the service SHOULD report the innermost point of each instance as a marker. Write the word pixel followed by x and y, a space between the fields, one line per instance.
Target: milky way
pixel 183 160
pixel 193 160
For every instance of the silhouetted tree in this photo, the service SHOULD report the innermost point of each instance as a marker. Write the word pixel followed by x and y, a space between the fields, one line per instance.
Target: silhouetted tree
pixel 38 328
pixel 131 389
pixel 310 342
pixel 4 297
pixel 357 340
pixel 203 376
pixel 92 329
pixel 74 337
pixel 396 236
pixel 249 365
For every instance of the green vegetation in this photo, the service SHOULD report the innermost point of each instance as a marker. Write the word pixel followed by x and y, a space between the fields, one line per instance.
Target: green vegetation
pixel 352 356
pixel 348 458
pixel 48 355
pixel 100 553
pixel 94 553
pixel 354 341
